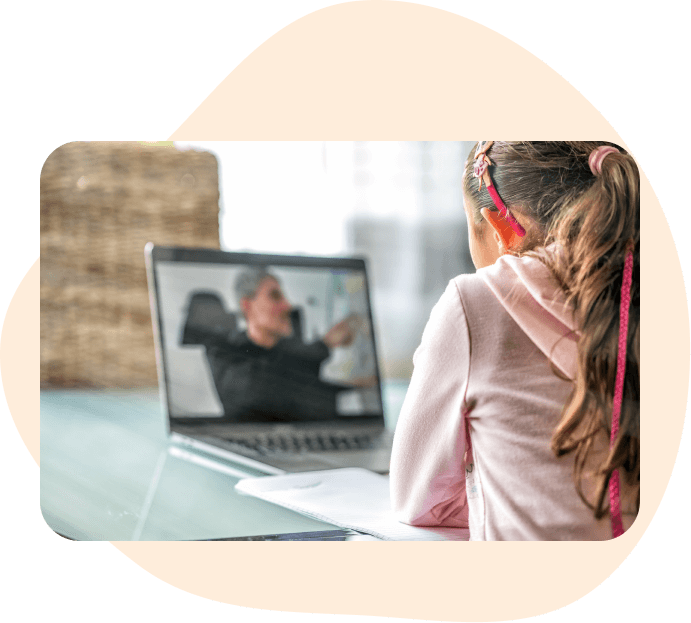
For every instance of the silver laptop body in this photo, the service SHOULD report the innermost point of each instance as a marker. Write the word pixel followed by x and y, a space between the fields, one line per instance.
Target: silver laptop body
pixel 298 405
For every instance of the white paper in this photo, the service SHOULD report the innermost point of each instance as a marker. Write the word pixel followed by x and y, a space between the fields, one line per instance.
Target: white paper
pixel 352 498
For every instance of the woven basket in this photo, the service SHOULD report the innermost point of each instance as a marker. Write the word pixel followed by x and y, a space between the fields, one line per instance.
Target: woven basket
pixel 100 204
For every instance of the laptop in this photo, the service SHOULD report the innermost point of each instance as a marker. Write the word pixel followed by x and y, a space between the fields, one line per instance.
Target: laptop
pixel 268 361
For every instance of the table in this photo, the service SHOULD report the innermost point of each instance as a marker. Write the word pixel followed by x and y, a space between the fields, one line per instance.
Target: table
pixel 108 473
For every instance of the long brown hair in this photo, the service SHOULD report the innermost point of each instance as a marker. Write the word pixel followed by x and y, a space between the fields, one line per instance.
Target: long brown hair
pixel 591 219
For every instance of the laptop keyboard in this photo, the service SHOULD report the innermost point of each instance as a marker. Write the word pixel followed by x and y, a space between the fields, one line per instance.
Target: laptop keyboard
pixel 308 442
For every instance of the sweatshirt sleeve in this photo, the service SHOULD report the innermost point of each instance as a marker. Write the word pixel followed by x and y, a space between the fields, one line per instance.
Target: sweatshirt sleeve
pixel 427 473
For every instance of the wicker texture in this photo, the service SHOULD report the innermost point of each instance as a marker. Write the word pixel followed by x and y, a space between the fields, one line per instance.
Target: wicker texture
pixel 100 204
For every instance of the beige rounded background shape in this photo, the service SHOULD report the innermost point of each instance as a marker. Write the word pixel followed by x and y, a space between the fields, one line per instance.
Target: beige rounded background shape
pixel 396 71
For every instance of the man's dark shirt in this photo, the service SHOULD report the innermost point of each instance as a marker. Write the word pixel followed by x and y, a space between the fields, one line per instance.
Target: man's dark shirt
pixel 257 384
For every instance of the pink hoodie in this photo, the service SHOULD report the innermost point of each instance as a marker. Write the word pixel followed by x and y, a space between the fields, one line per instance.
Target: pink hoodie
pixel 484 367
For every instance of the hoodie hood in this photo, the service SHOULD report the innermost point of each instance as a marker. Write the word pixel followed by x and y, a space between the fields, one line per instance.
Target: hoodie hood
pixel 527 290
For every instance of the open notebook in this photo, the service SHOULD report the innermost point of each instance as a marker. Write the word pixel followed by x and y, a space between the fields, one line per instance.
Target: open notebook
pixel 350 498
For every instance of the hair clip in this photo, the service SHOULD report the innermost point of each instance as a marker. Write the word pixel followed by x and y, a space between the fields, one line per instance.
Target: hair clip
pixel 481 164
pixel 481 171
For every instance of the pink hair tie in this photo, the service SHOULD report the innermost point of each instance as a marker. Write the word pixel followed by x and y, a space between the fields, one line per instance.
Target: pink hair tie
pixel 598 155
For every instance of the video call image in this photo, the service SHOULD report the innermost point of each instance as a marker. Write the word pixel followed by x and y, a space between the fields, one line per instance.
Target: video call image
pixel 266 343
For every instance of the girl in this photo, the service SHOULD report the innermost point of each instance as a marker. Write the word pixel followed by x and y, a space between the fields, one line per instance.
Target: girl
pixel 507 424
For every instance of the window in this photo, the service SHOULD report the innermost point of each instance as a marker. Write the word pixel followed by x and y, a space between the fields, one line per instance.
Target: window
pixel 397 203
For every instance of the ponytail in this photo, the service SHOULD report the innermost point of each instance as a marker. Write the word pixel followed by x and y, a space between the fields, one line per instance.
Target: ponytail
pixel 595 233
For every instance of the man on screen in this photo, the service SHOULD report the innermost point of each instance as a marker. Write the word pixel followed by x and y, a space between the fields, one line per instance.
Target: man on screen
pixel 268 312
pixel 267 373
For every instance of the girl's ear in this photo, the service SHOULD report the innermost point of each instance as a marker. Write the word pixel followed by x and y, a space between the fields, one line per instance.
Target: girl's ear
pixel 507 239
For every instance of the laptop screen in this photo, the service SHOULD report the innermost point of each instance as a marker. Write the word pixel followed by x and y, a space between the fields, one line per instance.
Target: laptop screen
pixel 250 338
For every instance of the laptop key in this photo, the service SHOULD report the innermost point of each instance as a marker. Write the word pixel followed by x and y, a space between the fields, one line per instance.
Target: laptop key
pixel 307 442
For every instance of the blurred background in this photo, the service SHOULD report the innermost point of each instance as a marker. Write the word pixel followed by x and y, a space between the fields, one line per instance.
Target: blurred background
pixel 399 204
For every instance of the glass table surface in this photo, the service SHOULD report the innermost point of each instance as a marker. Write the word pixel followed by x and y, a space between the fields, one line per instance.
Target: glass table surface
pixel 108 472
